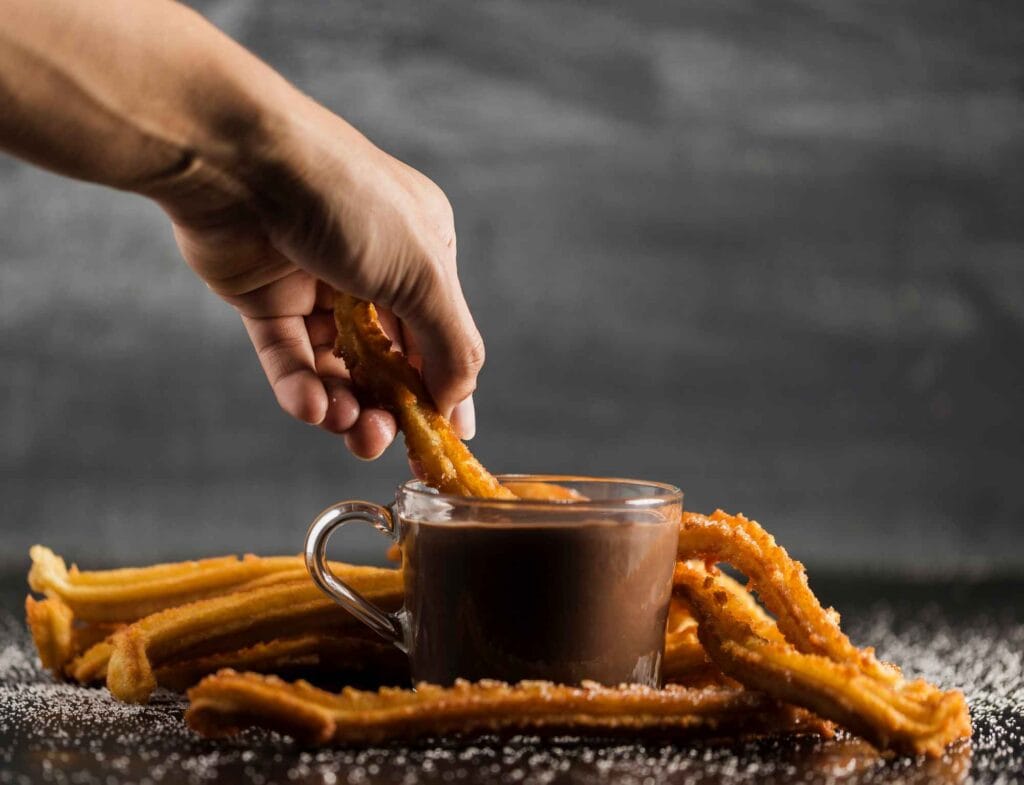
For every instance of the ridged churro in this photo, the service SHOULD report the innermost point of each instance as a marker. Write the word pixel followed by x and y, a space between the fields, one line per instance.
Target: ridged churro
pixel 234 621
pixel 802 656
pixel 125 595
pixel 385 378
pixel 226 702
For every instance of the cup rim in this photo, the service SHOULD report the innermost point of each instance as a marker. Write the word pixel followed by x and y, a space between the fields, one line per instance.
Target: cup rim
pixel 672 494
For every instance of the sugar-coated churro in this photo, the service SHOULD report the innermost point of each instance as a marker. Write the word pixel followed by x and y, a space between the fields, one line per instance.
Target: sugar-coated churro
pixel 124 595
pixel 229 701
pixel 385 377
pixel 802 656
pixel 234 621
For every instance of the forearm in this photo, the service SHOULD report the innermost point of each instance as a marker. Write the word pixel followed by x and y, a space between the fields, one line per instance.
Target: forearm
pixel 142 95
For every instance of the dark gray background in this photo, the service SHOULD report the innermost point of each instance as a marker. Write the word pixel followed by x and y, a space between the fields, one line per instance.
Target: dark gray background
pixel 772 252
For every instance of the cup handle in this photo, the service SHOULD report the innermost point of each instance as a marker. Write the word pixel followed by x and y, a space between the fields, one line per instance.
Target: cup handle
pixel 387 625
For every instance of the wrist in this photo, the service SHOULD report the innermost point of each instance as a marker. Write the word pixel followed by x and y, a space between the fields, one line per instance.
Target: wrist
pixel 230 131
pixel 295 154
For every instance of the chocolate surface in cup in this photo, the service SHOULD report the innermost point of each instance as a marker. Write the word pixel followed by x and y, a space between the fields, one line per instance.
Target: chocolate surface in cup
pixel 565 603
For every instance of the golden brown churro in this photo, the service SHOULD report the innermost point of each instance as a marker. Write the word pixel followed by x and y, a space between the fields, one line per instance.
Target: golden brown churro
pixel 90 667
pixel 234 621
pixel 50 623
pixel 228 701
pixel 686 663
pixel 273 596
pixel 125 595
pixel 803 657
pixel 385 377
pixel 780 582
pixel 743 670
pixel 58 636
pixel 322 657
pixel 543 491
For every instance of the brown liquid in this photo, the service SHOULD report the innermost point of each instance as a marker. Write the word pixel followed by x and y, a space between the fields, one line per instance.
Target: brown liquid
pixel 562 603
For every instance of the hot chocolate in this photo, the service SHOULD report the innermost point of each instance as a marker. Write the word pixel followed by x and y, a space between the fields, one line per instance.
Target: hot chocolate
pixel 512 601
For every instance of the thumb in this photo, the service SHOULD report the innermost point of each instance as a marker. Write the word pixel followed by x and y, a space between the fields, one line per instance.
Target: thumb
pixel 449 347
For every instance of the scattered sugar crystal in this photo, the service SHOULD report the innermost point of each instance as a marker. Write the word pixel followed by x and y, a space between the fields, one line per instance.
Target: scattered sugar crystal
pixel 63 734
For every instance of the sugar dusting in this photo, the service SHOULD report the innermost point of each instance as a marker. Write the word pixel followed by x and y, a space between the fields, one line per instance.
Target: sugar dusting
pixel 56 733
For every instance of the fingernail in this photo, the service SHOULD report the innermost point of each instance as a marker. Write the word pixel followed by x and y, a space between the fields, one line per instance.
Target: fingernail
pixel 464 419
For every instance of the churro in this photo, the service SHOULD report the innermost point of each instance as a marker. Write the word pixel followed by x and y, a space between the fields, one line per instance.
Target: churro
pixel 228 701
pixel 384 377
pixel 802 656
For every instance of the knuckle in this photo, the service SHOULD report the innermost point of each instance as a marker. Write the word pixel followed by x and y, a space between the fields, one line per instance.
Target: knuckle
pixel 473 355
pixel 415 290
pixel 449 243
pixel 432 277
pixel 439 203
pixel 441 214
pixel 278 357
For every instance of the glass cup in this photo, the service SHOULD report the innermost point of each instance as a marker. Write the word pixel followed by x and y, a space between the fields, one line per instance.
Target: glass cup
pixel 520 589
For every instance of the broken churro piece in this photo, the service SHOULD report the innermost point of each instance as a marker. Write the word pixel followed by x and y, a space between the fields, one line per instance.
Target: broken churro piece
pixel 58 637
pixel 228 701
pixel 50 623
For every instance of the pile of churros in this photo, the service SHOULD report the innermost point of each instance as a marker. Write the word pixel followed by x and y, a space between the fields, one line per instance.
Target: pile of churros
pixel 170 624
pixel 233 631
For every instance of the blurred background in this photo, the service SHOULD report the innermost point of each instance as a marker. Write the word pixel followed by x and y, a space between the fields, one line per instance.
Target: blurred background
pixel 771 252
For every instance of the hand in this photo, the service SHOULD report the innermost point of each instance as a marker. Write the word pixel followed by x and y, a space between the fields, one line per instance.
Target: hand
pixel 329 209
pixel 273 197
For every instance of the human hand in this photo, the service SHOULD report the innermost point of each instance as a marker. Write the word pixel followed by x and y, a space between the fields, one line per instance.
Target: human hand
pixel 327 209
pixel 274 198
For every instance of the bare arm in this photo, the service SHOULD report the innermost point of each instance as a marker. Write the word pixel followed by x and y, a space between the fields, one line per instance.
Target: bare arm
pixel 271 195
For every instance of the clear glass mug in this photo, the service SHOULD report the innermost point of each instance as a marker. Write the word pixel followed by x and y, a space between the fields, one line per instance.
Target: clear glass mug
pixel 520 589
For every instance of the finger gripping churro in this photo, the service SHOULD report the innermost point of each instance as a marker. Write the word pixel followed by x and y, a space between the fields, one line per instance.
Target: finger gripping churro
pixel 228 701
pixel 384 377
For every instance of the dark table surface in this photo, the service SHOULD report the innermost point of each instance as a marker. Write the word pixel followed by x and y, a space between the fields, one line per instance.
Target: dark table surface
pixel 968 634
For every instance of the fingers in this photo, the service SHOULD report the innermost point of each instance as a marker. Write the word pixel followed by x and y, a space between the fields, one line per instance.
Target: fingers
pixel 463 416
pixel 283 347
pixel 342 407
pixel 452 351
pixel 368 432
pixel 464 419
pixel 312 385
pixel 372 433
pixel 417 470
pixel 322 333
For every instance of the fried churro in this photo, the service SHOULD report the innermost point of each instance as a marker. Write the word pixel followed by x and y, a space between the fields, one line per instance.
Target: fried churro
pixel 323 657
pixel 234 621
pixel 58 636
pixel 124 595
pixel 803 656
pixel 50 624
pixel 384 377
pixel 780 582
pixel 228 701
pixel 543 491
